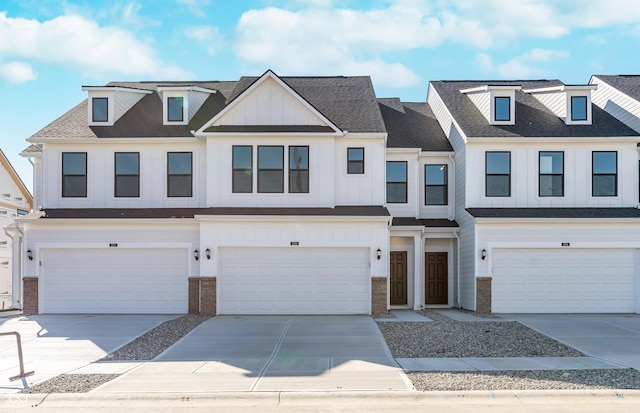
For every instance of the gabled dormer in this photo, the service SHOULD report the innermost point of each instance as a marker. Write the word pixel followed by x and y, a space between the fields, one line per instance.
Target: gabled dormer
pixel 181 102
pixel 497 103
pixel 106 104
pixel 572 103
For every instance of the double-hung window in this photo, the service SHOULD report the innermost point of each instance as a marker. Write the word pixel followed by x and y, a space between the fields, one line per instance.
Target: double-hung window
pixel 355 160
pixel 396 182
pixel 298 169
pixel 435 188
pixel 578 108
pixel 498 174
pixel 242 181
pixel 127 174
pixel 270 169
pixel 551 174
pixel 179 174
pixel 74 174
pixel 604 180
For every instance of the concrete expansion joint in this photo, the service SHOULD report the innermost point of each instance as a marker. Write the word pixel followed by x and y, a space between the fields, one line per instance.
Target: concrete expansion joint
pixel 274 353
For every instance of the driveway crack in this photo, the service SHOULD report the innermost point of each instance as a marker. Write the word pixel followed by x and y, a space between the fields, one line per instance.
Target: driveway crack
pixel 274 353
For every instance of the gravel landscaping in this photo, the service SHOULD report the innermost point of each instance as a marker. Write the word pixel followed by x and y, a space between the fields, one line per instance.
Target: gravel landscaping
pixel 71 383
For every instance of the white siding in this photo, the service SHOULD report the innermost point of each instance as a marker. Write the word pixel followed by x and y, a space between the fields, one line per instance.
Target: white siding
pixel 621 106
pixel 359 189
pixel 10 193
pixel 410 208
pixel 123 101
pixel 435 211
pixel 482 100
pixel 555 101
pixel 196 99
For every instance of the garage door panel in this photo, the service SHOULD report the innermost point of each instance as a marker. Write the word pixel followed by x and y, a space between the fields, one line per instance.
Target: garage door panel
pixel 563 280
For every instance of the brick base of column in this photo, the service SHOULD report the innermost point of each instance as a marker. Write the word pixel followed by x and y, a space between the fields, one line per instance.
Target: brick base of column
pixel 202 295
pixel 379 296
pixel 30 296
pixel 483 295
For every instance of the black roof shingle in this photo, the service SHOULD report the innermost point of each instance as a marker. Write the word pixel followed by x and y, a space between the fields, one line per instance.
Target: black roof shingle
pixel 627 84
pixel 554 212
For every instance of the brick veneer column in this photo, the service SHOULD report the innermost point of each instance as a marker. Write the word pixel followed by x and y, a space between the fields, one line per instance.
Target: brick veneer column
pixel 208 296
pixel 194 295
pixel 378 296
pixel 483 295
pixel 30 296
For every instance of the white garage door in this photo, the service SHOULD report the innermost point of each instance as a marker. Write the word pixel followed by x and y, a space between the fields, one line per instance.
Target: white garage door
pixel 114 281
pixel 563 280
pixel 294 281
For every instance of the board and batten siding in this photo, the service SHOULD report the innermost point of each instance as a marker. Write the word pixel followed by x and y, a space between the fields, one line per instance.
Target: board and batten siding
pixel 359 189
pixel 616 103
pixel 410 208
pixel 435 211
pixel 468 254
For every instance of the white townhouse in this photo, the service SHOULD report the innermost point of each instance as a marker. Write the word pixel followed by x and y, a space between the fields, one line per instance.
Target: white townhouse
pixel 546 196
pixel 264 195
pixel 15 200
pixel 620 96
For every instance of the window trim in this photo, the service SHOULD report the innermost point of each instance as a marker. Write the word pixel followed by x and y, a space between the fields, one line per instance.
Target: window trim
pixel 93 110
pixel 169 99
pixel 405 182
pixel 445 185
pixel 495 109
pixel 586 105
pixel 487 174
pixel 298 169
pixel 169 175
pixel 540 175
pixel 234 170
pixel 355 162
pixel 593 175
pixel 281 170
pixel 116 175
pixel 62 191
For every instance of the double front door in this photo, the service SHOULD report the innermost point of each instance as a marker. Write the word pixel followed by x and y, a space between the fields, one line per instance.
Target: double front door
pixel 435 273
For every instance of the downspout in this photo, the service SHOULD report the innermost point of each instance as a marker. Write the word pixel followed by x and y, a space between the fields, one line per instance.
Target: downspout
pixel 452 208
pixel 456 233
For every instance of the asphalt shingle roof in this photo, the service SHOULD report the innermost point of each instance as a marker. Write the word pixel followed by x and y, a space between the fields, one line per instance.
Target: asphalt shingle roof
pixel 533 119
pixel 429 223
pixel 628 84
pixel 412 125
pixel 554 212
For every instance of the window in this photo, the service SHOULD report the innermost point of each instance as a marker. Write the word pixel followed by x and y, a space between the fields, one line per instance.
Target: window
pixel 270 169
pixel 175 112
pixel 242 181
pixel 396 182
pixel 605 174
pixel 127 176
pixel 100 109
pixel 498 174
pixel 179 174
pixel 74 174
pixel 299 169
pixel 502 108
pixel 578 108
pixel 435 188
pixel 551 177
pixel 355 160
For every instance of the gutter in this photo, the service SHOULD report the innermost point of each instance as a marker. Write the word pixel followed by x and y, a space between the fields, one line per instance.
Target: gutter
pixel 452 207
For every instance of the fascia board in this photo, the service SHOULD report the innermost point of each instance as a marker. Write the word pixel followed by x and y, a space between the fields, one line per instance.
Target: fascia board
pixel 294 218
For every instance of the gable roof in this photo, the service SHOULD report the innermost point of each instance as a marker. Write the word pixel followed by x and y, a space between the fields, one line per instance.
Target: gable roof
pixel 412 125
pixel 13 175
pixel 533 119
pixel 627 84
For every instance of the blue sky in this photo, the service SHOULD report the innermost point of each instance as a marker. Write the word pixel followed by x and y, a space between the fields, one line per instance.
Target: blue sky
pixel 50 48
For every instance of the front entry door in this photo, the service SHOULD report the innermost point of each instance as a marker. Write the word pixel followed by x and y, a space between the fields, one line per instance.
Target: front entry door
pixel 436 278
pixel 398 278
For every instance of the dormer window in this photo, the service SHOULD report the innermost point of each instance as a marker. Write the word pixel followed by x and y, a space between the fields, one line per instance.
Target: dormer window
pixel 571 103
pixel 181 102
pixel 578 108
pixel 175 109
pixel 495 102
pixel 106 104
pixel 502 111
pixel 100 109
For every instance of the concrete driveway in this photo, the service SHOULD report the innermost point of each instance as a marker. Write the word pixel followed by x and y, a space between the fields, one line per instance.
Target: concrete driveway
pixel 611 337
pixel 271 353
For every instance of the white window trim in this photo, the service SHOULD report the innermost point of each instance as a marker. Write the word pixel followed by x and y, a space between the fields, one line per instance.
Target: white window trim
pixel 512 107
pixel 568 120
pixel 110 108
pixel 165 107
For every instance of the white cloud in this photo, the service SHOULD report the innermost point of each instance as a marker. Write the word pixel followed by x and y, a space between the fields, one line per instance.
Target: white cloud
pixel 16 72
pixel 83 45
pixel 195 7
pixel 525 66
pixel 209 36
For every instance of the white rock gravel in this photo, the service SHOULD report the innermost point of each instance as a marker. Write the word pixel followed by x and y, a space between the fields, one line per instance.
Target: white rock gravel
pixel 71 383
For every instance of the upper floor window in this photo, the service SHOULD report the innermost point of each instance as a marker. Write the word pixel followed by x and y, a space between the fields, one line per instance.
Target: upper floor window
pixel 175 109
pixel 551 177
pixel 435 188
pixel 100 109
pixel 396 182
pixel 502 108
pixel 298 169
pixel 605 174
pixel 270 169
pixel 498 174
pixel 578 108
pixel 179 174
pixel 127 174
pixel 74 174
pixel 355 160
pixel 242 181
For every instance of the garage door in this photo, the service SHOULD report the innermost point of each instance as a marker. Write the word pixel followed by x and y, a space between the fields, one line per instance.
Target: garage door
pixel 563 280
pixel 114 281
pixel 294 281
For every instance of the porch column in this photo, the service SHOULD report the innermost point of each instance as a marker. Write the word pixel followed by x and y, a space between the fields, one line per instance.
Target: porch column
pixel 16 270
pixel 418 266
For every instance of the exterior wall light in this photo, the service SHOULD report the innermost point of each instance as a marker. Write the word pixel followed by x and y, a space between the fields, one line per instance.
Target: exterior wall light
pixel 30 255
pixel 207 253
pixel 484 254
pixel 378 253
pixel 196 254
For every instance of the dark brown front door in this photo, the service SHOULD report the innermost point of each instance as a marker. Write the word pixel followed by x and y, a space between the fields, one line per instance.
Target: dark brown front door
pixel 398 278
pixel 436 278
